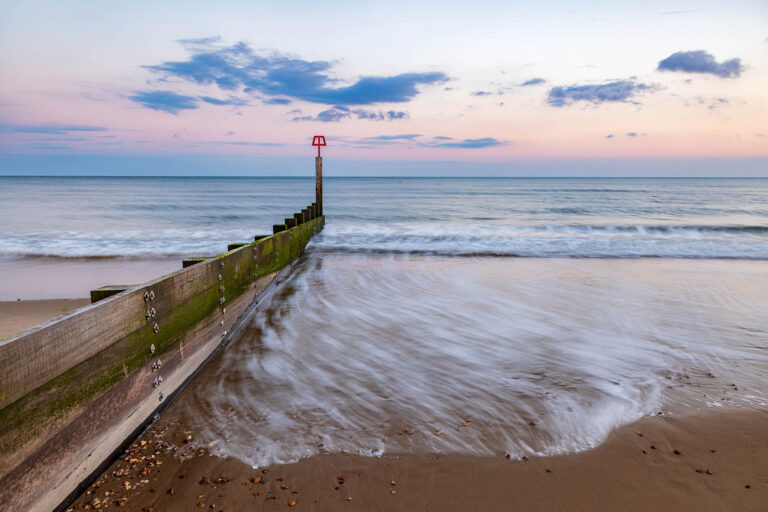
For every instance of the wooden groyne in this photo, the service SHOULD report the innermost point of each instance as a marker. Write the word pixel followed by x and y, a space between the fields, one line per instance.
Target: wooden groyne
pixel 73 390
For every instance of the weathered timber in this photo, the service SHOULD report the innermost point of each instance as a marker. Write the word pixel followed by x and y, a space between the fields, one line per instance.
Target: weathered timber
pixel 290 223
pixel 305 215
pixel 319 184
pixel 298 217
pixel 236 245
pixel 108 291
pixel 276 228
pixel 75 388
pixel 188 262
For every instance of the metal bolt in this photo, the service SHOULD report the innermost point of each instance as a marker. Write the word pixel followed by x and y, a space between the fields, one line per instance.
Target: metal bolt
pixel 221 264
pixel 159 363
pixel 155 328
pixel 148 315
pixel 221 323
pixel 223 310
pixel 155 383
pixel 154 366
pixel 151 295
pixel 161 396
pixel 220 278
pixel 221 289
pixel 221 300
pixel 146 296
pixel 152 348
pixel 153 312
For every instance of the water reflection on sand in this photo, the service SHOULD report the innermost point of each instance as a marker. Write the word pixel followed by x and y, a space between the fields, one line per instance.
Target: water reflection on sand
pixel 399 353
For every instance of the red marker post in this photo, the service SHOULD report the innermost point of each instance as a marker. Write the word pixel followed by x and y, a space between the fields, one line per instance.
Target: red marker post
pixel 319 141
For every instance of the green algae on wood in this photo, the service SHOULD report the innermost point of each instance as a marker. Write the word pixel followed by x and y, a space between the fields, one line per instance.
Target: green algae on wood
pixel 224 278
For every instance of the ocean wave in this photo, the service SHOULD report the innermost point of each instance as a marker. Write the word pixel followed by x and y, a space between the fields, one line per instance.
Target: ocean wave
pixel 477 238
pixel 549 241
pixel 576 255
pixel 131 244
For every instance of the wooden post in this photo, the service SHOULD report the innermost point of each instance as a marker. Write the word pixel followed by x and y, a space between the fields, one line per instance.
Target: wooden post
pixel 108 291
pixel 298 218
pixel 319 184
pixel 305 215
pixel 290 223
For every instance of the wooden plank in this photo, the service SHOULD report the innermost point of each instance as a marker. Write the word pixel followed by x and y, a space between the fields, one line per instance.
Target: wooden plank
pixel 108 291
pixel 319 184
pixel 73 388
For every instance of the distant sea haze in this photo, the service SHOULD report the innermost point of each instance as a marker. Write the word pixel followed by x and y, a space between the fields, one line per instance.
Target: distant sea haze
pixel 151 218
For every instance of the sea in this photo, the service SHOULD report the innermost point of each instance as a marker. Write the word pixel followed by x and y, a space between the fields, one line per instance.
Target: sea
pixel 434 315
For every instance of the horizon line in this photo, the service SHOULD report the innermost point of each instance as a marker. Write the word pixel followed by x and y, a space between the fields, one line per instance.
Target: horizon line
pixel 373 177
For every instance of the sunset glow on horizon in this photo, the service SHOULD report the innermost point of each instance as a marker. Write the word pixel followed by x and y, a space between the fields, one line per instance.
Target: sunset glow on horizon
pixel 404 81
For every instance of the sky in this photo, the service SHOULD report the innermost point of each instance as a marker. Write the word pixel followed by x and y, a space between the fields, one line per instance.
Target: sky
pixel 397 88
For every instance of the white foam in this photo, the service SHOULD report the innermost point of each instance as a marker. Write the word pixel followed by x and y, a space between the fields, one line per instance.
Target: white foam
pixel 465 353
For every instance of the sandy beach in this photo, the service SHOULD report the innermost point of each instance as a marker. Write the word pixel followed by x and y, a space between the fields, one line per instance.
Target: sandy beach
pixel 709 461
pixel 62 278
pixel 19 315
pixel 281 392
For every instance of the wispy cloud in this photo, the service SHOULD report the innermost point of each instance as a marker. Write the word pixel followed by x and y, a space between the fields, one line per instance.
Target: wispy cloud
pixel 412 140
pixel 405 136
pixel 533 81
pixel 699 61
pixel 277 101
pixel 712 103
pixel 480 93
pixel 238 67
pixel 340 113
pixel 165 101
pixel 616 91
pixel 49 129
pixel 200 42
pixel 237 102
pixel 485 142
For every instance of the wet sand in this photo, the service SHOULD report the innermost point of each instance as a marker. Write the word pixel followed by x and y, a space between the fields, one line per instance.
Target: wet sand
pixel 61 278
pixel 17 316
pixel 709 461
